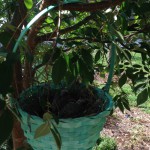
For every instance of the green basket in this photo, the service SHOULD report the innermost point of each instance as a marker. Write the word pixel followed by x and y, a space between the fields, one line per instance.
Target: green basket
pixel 76 134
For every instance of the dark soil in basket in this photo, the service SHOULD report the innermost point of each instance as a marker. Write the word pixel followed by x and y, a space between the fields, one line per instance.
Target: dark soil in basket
pixel 63 102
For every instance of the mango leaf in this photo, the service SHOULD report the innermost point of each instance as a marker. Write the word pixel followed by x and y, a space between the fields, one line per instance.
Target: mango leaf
pixel 90 32
pixel 12 58
pixel 46 57
pixel 2 104
pixel 6 74
pixel 144 8
pixel 3 52
pixel 5 38
pixel 149 91
pixel 97 55
pixel 87 57
pixel 69 77
pixel 126 104
pixel 130 74
pixel 9 26
pixel 42 130
pixel 6 125
pixel 122 80
pixel 56 136
pixel 58 143
pixel 47 116
pixel 59 70
pixel 56 131
pixel 87 75
pixel 119 35
pixel 28 4
pixel 120 105
pixel 73 63
pixel 56 54
pixel 142 96
pixel 139 86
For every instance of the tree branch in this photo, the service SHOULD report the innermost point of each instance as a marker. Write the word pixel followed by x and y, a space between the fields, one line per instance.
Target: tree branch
pixel 44 37
pixel 88 7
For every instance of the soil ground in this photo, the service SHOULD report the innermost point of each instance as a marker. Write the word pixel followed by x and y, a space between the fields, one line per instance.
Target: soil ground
pixel 131 130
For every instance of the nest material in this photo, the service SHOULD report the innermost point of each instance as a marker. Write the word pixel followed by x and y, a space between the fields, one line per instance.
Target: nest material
pixel 73 102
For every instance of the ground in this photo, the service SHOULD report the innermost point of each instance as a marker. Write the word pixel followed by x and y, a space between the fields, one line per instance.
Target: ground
pixel 131 130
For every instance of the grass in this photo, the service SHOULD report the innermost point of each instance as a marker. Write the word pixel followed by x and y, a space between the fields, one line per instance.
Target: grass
pixel 105 143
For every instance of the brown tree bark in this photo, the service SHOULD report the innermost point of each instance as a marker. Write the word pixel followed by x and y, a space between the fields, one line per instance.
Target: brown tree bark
pixel 86 7
pixel 18 20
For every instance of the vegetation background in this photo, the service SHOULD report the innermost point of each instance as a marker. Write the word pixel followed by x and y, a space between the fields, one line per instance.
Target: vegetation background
pixel 72 42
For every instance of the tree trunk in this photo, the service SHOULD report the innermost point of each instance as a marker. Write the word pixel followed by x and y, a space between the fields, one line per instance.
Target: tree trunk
pixel 18 20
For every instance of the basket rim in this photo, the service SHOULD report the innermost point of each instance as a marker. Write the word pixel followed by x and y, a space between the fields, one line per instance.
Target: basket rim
pixel 108 108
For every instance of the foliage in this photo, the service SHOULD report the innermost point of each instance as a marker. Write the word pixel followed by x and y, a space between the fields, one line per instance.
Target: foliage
pixel 105 143
pixel 6 121
pixel 74 45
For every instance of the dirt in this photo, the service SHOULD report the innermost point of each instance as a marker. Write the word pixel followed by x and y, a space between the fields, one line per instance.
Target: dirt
pixel 73 102
pixel 131 130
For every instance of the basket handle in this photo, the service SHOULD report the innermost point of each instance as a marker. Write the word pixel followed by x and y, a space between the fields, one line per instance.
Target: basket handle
pixel 112 64
pixel 44 11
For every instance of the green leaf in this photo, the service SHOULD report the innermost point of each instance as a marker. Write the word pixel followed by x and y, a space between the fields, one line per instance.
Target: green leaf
pixel 6 124
pixel 5 38
pixel 86 74
pixel 120 105
pixel 2 104
pixel 47 116
pixel 12 58
pixel 126 104
pixel 46 57
pixel 69 77
pixel 3 52
pixel 142 97
pixel 144 8
pixel 56 54
pixel 58 143
pixel 130 74
pixel 51 55
pixel 73 63
pixel 42 130
pixel 97 55
pixel 87 57
pixel 56 136
pixel 119 35
pixel 139 86
pixel 6 75
pixel 122 80
pixel 149 91
pixel 10 26
pixel 90 32
pixel 28 4
pixel 59 70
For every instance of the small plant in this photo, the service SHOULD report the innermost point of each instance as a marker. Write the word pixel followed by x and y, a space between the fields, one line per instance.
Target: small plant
pixel 105 143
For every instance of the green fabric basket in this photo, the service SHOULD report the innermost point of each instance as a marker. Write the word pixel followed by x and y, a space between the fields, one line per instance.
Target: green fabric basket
pixel 76 134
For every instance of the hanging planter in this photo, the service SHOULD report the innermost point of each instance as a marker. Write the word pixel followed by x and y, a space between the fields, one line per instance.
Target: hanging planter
pixel 77 132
